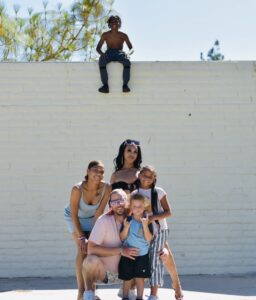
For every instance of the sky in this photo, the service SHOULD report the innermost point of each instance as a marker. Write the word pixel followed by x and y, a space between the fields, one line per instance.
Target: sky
pixel 178 30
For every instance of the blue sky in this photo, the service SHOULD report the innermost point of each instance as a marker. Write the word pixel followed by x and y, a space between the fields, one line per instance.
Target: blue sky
pixel 168 30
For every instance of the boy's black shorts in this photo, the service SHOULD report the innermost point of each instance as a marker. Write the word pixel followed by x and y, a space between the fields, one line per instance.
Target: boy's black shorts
pixel 138 268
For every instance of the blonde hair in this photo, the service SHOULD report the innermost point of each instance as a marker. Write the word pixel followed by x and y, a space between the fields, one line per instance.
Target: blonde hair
pixel 140 197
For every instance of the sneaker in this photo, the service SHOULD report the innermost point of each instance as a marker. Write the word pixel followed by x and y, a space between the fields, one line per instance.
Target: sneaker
pixel 151 297
pixel 104 89
pixel 126 88
pixel 88 295
pixel 132 294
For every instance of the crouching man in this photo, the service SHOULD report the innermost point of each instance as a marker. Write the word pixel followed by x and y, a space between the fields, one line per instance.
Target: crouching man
pixel 105 247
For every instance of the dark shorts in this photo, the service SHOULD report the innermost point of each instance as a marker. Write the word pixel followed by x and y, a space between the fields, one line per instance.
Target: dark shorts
pixel 138 268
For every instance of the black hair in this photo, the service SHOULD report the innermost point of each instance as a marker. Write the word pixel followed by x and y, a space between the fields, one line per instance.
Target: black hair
pixel 114 18
pixel 119 160
pixel 92 164
pixel 154 198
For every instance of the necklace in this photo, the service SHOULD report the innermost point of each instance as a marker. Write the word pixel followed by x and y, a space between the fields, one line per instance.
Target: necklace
pixel 96 193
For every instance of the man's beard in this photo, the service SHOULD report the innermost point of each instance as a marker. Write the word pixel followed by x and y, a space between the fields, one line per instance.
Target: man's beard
pixel 119 212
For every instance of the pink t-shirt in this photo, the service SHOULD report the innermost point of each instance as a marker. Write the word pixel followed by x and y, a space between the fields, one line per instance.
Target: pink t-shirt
pixel 106 233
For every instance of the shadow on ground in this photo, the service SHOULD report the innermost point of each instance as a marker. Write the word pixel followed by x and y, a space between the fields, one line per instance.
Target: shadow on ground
pixel 240 285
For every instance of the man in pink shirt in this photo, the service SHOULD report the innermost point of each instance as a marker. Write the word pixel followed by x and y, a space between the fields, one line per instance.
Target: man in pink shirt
pixel 105 247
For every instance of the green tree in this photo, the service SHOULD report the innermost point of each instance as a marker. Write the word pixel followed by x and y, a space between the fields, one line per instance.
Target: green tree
pixel 214 53
pixel 53 35
pixel 8 35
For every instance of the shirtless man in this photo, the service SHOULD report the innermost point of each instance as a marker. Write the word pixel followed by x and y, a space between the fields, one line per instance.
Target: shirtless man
pixel 115 40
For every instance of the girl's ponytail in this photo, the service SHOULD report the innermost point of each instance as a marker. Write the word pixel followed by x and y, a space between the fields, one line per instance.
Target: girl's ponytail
pixel 154 200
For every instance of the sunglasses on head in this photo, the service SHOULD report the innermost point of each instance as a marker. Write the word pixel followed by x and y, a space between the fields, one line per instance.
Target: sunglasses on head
pixel 132 142
pixel 116 202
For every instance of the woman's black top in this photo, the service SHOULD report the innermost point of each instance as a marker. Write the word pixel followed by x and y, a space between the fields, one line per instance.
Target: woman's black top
pixel 126 186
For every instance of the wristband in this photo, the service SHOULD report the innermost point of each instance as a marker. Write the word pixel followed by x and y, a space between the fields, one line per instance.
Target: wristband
pixel 130 52
pixel 81 238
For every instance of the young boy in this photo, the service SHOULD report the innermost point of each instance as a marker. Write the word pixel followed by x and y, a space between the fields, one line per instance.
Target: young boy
pixel 136 233
pixel 115 40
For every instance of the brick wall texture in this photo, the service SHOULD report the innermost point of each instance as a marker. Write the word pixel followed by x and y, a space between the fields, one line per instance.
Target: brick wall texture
pixel 197 125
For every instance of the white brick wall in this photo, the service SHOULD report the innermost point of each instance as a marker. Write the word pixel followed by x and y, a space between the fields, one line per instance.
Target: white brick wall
pixel 197 125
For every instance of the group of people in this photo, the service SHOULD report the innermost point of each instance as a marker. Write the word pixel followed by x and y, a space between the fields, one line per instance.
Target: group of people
pixel 128 243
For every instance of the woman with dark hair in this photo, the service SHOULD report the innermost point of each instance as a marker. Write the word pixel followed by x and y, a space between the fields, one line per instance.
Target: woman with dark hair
pixel 127 166
pixel 127 169
pixel 87 202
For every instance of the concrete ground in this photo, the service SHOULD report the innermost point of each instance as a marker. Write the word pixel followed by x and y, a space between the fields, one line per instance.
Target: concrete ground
pixel 196 287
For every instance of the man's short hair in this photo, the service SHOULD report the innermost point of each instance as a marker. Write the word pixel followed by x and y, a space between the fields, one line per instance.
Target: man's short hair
pixel 114 19
pixel 120 192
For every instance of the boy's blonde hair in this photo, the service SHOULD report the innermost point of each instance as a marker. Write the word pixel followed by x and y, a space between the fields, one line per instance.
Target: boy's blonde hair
pixel 140 197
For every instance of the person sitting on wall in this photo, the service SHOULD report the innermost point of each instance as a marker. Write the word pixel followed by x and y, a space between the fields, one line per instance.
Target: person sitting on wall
pixel 115 40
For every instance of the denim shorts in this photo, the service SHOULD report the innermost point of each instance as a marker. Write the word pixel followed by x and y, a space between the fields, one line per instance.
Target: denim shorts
pixel 86 223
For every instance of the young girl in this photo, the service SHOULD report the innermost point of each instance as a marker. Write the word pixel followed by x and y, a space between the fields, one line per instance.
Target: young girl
pixel 161 210
pixel 135 233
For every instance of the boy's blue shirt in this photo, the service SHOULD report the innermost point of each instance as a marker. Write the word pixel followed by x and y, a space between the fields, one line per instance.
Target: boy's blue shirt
pixel 135 237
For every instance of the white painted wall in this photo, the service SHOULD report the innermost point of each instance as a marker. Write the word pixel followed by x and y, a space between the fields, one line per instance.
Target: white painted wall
pixel 197 125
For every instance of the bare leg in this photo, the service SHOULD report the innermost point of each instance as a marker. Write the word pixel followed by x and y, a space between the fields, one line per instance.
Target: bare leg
pixel 93 270
pixel 79 277
pixel 131 289
pixel 133 284
pixel 154 290
pixel 126 288
pixel 140 287
pixel 172 270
